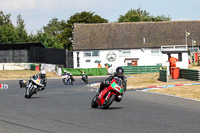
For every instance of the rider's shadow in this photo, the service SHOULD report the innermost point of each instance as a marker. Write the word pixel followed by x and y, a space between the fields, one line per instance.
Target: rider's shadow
pixel 36 97
pixel 111 108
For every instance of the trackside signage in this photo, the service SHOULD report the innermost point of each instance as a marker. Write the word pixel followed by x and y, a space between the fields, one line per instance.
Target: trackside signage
pixel 3 86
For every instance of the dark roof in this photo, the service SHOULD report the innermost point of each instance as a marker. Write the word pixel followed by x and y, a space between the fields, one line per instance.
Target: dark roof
pixel 131 34
pixel 25 45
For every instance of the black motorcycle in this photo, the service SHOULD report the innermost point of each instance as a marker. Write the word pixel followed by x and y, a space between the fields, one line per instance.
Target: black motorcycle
pixel 85 78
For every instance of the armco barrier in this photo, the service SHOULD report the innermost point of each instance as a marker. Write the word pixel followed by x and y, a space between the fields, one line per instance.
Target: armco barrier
pixel 140 69
pixel 89 71
pixel 14 66
pixel 190 74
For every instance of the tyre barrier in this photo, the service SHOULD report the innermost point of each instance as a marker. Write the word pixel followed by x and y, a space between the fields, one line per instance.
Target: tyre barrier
pixel 163 75
pixel 190 74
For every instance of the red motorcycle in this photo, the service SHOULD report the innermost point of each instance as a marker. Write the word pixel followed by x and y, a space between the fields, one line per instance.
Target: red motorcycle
pixel 107 96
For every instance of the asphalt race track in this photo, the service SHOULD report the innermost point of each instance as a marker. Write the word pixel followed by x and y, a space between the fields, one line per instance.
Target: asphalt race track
pixel 66 109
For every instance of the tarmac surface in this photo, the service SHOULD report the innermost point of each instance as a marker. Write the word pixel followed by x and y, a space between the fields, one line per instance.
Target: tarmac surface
pixel 66 109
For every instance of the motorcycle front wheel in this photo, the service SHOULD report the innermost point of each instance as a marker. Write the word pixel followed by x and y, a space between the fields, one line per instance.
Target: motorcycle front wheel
pixel 85 80
pixel 29 92
pixel 65 81
pixel 108 102
pixel 93 103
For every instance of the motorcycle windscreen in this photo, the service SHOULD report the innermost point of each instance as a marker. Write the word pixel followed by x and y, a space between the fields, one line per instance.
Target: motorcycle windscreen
pixel 117 87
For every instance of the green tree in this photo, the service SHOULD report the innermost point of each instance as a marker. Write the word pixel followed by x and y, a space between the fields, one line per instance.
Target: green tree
pixel 22 35
pixel 53 28
pixel 140 15
pixel 57 34
pixel 7 30
pixel 86 17
pixel 83 17
pixel 9 33
pixel 49 34
pixel 4 19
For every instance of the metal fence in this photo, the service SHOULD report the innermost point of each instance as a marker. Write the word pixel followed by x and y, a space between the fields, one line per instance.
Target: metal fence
pixel 140 69
pixel 16 56
pixel 37 55
pixel 48 55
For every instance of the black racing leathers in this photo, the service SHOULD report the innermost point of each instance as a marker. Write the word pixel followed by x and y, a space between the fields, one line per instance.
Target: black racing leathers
pixel 121 81
pixel 44 79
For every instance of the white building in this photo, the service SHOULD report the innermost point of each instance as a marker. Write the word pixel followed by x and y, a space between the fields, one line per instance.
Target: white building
pixel 132 44
pixel 131 57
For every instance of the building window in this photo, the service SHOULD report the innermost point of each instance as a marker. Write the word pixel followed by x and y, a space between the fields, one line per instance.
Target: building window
pixel 179 56
pixel 194 49
pixel 87 54
pixel 124 53
pixel 93 53
pixel 155 52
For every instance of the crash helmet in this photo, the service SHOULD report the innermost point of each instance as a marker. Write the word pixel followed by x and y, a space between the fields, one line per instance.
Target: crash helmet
pixel 119 71
pixel 43 73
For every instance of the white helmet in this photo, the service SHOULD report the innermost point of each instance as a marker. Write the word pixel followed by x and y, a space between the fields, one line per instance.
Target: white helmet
pixel 65 71
pixel 43 72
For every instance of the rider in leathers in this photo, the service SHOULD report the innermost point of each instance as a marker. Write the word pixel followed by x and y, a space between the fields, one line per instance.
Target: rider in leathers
pixel 118 76
pixel 41 75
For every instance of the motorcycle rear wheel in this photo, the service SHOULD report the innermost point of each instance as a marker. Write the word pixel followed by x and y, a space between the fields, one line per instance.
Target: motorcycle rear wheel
pixel 107 103
pixel 93 103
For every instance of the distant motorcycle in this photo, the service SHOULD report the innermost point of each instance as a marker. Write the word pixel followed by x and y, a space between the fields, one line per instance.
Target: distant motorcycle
pixel 66 79
pixel 108 95
pixel 35 85
pixel 84 78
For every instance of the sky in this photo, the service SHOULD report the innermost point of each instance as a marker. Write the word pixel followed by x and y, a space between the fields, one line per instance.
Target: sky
pixel 38 13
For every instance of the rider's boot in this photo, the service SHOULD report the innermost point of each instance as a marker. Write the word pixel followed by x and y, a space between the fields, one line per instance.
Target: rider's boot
pixel 119 98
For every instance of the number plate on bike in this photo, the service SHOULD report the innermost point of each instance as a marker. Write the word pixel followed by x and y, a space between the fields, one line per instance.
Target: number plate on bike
pixel 117 87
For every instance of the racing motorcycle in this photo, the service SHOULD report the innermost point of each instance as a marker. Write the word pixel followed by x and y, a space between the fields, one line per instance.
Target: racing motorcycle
pixel 66 79
pixel 84 78
pixel 35 85
pixel 108 95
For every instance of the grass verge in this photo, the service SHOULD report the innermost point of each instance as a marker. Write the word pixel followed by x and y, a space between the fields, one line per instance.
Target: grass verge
pixel 192 91
pixel 21 74
pixel 151 79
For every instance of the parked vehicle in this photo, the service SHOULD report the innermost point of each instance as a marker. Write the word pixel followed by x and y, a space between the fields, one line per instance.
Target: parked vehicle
pixel 109 94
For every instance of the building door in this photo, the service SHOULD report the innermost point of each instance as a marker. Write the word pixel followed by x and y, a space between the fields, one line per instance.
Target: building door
pixel 131 61
pixel 134 63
